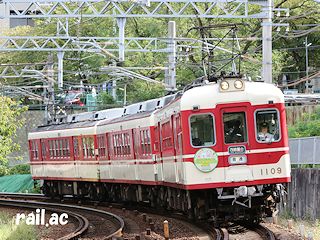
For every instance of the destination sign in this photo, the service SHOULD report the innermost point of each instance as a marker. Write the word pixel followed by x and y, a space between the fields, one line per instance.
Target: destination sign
pixel 237 150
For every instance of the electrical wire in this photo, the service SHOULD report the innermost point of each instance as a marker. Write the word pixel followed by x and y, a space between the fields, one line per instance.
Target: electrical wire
pixel 301 80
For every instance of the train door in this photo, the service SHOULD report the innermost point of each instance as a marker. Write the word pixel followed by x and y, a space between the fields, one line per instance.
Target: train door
pixel 235 144
pixel 178 147
pixel 136 141
pixel 167 149
pixel 157 153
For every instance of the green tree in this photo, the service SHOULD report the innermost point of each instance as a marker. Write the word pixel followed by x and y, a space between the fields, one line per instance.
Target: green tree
pixel 288 54
pixel 105 99
pixel 10 121
pixel 142 91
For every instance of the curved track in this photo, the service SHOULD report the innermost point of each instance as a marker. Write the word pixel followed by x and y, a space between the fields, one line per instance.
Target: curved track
pixel 219 234
pixel 264 232
pixel 259 231
pixel 83 222
pixel 214 233
pixel 71 210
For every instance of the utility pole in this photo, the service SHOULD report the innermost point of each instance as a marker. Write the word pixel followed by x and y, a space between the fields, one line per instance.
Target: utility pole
pixel 50 98
pixel 307 64
pixel 121 21
pixel 60 55
pixel 125 95
pixel 267 42
pixel 170 78
pixel 114 90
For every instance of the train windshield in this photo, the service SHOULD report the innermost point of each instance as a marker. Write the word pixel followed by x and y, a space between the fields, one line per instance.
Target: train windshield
pixel 235 127
pixel 202 130
pixel 267 125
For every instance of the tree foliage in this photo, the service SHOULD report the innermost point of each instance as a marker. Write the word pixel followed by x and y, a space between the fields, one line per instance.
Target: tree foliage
pixel 142 91
pixel 288 55
pixel 105 99
pixel 19 169
pixel 10 121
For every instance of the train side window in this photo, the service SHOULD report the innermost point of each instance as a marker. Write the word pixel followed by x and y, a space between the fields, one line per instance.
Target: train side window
pixel 55 147
pixel 202 130
pixel 102 145
pixel 43 149
pixel 50 149
pixel 267 125
pixel 88 147
pixel 145 142
pixel 34 150
pixel 156 139
pixel 166 133
pixel 76 148
pixel 235 127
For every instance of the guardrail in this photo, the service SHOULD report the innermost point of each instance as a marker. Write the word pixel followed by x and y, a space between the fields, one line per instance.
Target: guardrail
pixel 305 150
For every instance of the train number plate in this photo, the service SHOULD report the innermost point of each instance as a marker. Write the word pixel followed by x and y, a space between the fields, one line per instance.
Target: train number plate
pixel 271 171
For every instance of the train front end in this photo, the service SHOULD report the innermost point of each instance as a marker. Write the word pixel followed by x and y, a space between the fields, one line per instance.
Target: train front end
pixel 237 155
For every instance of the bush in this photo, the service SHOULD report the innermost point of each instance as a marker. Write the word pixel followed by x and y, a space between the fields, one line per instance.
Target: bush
pixel 308 127
pixel 19 169
pixel 3 170
pixel 105 99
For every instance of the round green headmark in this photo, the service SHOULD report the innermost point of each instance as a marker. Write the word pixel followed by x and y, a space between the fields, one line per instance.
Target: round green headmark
pixel 206 159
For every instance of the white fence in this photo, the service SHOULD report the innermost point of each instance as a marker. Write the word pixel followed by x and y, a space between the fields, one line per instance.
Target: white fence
pixel 305 150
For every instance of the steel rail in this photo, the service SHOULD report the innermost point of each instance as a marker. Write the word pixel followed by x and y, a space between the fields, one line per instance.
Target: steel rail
pixel 23 195
pixel 107 215
pixel 263 231
pixel 83 221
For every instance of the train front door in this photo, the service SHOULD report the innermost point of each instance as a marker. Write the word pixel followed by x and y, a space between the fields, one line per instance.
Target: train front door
pixel 235 144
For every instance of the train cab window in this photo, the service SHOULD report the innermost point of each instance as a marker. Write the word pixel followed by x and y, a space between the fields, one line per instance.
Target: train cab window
pixel 235 127
pixel 267 125
pixel 202 130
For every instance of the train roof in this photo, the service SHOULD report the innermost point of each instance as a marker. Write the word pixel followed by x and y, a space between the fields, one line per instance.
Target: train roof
pixel 91 120
pixel 208 96
pixel 204 97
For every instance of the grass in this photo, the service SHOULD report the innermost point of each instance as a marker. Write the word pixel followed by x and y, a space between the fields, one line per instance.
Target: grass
pixel 10 231
pixel 305 228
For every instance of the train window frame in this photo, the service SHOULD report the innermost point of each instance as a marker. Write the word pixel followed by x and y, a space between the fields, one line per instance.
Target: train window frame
pixel 246 119
pixel 43 148
pixel 34 148
pixel 145 142
pixel 255 125
pixel 165 126
pixel 102 146
pixel 214 128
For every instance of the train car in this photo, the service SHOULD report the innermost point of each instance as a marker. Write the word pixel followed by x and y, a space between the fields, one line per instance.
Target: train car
pixel 213 151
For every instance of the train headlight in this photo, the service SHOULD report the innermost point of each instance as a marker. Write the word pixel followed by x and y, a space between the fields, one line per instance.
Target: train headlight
pixel 238 84
pixel 224 85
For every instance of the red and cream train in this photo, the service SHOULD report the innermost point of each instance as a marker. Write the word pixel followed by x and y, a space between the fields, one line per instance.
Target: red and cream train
pixel 217 150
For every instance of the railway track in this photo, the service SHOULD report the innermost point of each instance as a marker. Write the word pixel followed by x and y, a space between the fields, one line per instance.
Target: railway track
pixel 213 233
pixel 264 232
pixel 76 212
pixel 83 222
pixel 260 231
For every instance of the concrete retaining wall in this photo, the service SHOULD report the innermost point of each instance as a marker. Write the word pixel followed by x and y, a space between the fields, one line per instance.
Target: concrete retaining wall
pixel 33 119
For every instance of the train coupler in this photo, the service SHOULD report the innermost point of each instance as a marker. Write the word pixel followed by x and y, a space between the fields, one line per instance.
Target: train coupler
pixel 243 192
